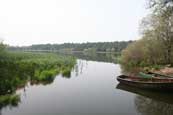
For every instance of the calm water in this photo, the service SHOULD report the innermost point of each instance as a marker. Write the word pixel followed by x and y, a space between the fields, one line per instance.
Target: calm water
pixel 92 89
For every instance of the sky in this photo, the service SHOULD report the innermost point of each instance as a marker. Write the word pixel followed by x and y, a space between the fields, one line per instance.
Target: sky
pixel 26 22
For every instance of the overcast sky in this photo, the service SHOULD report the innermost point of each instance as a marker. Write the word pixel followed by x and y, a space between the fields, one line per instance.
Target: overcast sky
pixel 26 22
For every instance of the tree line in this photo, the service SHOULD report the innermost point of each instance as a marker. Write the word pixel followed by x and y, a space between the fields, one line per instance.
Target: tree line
pixel 98 47
pixel 2 47
pixel 156 44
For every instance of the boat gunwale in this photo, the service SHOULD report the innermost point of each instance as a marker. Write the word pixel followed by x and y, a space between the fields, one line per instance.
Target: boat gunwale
pixel 143 82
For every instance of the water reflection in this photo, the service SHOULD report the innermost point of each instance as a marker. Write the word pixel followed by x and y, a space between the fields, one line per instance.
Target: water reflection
pixel 10 100
pixel 80 67
pixel 15 76
pixel 100 57
pixel 89 90
pixel 149 102
pixel 148 106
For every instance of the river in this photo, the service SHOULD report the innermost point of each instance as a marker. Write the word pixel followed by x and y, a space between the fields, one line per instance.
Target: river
pixel 92 89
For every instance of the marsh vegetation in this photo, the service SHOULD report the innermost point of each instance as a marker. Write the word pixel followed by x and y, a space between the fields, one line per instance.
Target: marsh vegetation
pixel 19 68
pixel 38 67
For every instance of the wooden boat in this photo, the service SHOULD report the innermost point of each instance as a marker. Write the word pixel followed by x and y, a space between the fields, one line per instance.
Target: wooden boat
pixel 147 83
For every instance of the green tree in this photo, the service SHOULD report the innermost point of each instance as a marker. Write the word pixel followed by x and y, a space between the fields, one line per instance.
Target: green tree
pixel 160 27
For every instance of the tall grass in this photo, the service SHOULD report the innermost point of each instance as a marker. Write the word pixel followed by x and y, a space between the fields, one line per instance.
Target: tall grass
pixel 17 68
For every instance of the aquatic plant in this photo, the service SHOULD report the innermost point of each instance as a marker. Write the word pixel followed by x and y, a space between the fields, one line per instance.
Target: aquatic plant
pixel 17 68
pixel 9 100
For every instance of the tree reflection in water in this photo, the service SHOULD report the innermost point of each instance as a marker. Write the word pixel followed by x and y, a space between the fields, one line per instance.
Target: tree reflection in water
pixel 150 102
pixel 93 56
pixel 80 67
pixel 148 106
pixel 10 100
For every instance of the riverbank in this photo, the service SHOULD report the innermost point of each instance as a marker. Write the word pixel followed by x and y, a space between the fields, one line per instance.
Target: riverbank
pixel 165 70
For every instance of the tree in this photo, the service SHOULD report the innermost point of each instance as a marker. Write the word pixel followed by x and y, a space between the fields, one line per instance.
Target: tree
pixel 156 45
pixel 161 27
pixel 160 5
pixel 160 23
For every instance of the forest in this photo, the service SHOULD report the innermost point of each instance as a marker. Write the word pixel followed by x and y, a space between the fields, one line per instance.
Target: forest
pixel 97 47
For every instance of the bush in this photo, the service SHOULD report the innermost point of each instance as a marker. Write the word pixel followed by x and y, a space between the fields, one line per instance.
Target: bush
pixel 66 72
pixel 143 53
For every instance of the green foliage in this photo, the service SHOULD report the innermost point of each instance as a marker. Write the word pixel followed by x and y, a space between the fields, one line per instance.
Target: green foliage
pixel 46 75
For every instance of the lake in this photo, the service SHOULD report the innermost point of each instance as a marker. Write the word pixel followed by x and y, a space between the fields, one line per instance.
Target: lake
pixel 91 89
